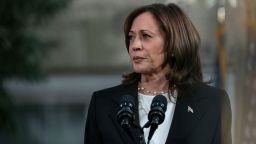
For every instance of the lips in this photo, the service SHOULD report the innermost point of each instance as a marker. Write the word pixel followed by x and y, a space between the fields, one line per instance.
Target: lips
pixel 137 58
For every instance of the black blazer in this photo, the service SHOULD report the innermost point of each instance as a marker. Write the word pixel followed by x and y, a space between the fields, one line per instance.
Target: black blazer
pixel 210 122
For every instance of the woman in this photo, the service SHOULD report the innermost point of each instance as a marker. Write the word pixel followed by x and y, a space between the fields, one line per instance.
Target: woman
pixel 163 46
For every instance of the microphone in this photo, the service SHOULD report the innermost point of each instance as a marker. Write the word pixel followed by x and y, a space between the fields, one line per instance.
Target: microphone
pixel 156 114
pixel 125 114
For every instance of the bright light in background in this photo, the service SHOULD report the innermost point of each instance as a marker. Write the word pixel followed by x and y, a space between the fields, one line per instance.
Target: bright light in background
pixel 221 14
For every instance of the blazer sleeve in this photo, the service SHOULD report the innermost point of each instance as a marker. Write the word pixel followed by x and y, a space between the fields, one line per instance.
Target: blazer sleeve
pixel 226 120
pixel 92 133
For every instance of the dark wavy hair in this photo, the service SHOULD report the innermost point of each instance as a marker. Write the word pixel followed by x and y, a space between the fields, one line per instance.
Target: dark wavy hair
pixel 182 43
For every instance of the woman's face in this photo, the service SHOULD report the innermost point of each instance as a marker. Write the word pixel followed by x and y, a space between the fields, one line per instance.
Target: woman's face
pixel 146 47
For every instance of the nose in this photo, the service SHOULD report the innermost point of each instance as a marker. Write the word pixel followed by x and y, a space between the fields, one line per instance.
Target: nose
pixel 135 44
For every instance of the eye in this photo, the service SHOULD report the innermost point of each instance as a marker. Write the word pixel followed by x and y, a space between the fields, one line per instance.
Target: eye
pixel 146 36
pixel 130 37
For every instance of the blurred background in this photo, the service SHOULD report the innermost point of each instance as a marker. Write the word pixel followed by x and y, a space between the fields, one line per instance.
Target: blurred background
pixel 55 53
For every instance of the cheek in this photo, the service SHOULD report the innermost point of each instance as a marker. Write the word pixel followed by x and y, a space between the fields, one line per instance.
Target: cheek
pixel 158 59
pixel 160 54
pixel 157 52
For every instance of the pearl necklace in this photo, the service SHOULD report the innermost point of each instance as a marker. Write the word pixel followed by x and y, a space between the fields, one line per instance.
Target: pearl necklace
pixel 172 94
pixel 141 89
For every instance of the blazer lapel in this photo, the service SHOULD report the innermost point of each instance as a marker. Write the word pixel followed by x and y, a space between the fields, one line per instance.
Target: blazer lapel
pixel 188 111
pixel 132 134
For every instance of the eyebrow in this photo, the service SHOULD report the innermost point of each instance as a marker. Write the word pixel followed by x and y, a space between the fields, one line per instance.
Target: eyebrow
pixel 143 30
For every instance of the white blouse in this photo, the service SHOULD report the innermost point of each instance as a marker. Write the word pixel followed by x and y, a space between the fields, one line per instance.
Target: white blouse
pixel 161 133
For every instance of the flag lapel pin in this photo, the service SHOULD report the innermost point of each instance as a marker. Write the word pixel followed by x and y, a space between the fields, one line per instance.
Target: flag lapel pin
pixel 190 109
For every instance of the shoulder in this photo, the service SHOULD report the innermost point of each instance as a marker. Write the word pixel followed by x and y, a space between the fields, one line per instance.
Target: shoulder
pixel 110 90
pixel 209 91
pixel 115 92
pixel 107 92
pixel 213 95
pixel 208 95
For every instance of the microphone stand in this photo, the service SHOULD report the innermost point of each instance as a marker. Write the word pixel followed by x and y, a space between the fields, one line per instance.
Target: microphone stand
pixel 141 136
pixel 147 125
pixel 152 128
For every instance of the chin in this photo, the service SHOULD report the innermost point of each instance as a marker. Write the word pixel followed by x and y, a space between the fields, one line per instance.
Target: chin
pixel 140 70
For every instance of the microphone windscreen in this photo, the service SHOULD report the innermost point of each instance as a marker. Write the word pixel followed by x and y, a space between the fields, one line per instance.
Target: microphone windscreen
pixel 159 99
pixel 125 114
pixel 128 99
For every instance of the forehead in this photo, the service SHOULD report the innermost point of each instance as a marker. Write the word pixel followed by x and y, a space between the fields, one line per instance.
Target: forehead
pixel 145 21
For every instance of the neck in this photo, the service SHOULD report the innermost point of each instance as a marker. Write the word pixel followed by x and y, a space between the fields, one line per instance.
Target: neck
pixel 155 82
